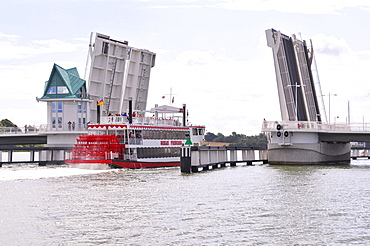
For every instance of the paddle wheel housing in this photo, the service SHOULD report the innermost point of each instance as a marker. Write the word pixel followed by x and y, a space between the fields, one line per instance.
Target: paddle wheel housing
pixel 97 148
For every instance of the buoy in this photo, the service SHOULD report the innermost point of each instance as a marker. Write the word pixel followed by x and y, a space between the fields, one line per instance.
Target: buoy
pixel 278 134
pixel 278 127
pixel 286 134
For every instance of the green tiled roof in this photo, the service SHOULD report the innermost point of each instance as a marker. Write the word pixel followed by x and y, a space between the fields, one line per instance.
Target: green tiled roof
pixel 64 83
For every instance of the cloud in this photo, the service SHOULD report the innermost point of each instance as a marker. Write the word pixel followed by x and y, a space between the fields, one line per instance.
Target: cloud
pixel 8 36
pixel 195 57
pixel 283 6
pixel 330 45
pixel 11 50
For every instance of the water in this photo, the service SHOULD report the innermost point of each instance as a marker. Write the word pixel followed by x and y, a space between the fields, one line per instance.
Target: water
pixel 243 205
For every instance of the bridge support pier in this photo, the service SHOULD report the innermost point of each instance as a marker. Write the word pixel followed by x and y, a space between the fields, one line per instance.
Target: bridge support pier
pixel 309 153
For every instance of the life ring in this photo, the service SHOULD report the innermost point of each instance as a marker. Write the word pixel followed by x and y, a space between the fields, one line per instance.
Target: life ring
pixel 278 127
pixel 286 134
pixel 278 134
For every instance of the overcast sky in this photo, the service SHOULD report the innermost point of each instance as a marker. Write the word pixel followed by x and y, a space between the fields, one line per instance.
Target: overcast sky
pixel 212 53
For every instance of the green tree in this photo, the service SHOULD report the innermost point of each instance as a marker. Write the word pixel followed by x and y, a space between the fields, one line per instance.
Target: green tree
pixel 238 140
pixel 6 123
pixel 209 137
pixel 220 138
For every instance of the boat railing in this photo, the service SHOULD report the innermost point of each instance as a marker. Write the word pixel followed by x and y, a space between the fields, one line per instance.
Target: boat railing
pixel 268 126
pixel 139 120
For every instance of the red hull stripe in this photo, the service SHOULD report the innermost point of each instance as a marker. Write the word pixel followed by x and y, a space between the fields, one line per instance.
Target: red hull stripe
pixel 126 164
pixel 88 161
pixel 134 164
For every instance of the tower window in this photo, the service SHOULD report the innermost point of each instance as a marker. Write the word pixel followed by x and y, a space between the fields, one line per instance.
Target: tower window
pixel 62 90
pixel 52 90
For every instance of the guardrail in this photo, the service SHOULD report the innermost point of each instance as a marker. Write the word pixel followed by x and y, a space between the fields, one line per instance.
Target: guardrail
pixel 43 128
pixel 19 130
pixel 269 126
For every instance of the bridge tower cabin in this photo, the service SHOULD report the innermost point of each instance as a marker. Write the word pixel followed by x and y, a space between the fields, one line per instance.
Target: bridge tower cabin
pixel 68 106
pixel 300 137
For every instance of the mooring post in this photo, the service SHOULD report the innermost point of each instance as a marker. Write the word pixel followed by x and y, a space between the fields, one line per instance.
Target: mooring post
pixel 185 159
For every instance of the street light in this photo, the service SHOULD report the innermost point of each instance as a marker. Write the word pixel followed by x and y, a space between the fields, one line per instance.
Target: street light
pixel 329 105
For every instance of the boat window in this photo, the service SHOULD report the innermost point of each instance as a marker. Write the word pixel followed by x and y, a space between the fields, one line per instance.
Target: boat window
pixel 158 152
pixel 195 131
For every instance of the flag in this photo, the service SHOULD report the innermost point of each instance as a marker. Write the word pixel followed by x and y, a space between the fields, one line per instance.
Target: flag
pixel 163 97
pixel 101 102
pixel 173 99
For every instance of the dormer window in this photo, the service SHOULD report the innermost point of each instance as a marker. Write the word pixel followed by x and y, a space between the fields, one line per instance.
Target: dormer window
pixel 58 90
pixel 52 90
pixel 62 90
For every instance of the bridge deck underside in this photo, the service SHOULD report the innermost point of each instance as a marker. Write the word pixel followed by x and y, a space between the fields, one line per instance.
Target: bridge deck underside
pixel 345 137
pixel 23 139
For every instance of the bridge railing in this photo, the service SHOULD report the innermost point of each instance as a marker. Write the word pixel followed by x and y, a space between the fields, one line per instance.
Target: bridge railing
pixel 43 128
pixel 268 126
pixel 63 127
pixel 19 130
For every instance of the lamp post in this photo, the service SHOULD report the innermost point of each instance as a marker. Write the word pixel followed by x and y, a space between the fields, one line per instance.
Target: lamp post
pixel 329 105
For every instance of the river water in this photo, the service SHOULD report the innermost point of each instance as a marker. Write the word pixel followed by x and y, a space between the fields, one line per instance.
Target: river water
pixel 243 205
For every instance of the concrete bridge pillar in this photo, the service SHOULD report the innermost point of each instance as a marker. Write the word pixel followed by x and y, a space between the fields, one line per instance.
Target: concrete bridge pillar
pixel 58 155
pixel 355 152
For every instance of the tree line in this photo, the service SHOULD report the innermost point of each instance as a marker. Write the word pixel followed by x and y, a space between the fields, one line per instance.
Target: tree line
pixel 239 140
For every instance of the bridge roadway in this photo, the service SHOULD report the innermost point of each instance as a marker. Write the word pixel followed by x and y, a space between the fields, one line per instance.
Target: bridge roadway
pixel 344 136
pixel 354 132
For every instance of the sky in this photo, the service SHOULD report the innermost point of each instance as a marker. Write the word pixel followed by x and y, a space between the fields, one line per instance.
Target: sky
pixel 212 53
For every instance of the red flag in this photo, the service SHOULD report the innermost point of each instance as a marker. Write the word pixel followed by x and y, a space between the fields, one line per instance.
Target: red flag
pixel 173 99
pixel 163 97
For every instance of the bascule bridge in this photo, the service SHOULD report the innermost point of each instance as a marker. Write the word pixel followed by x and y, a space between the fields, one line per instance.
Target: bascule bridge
pixel 303 135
